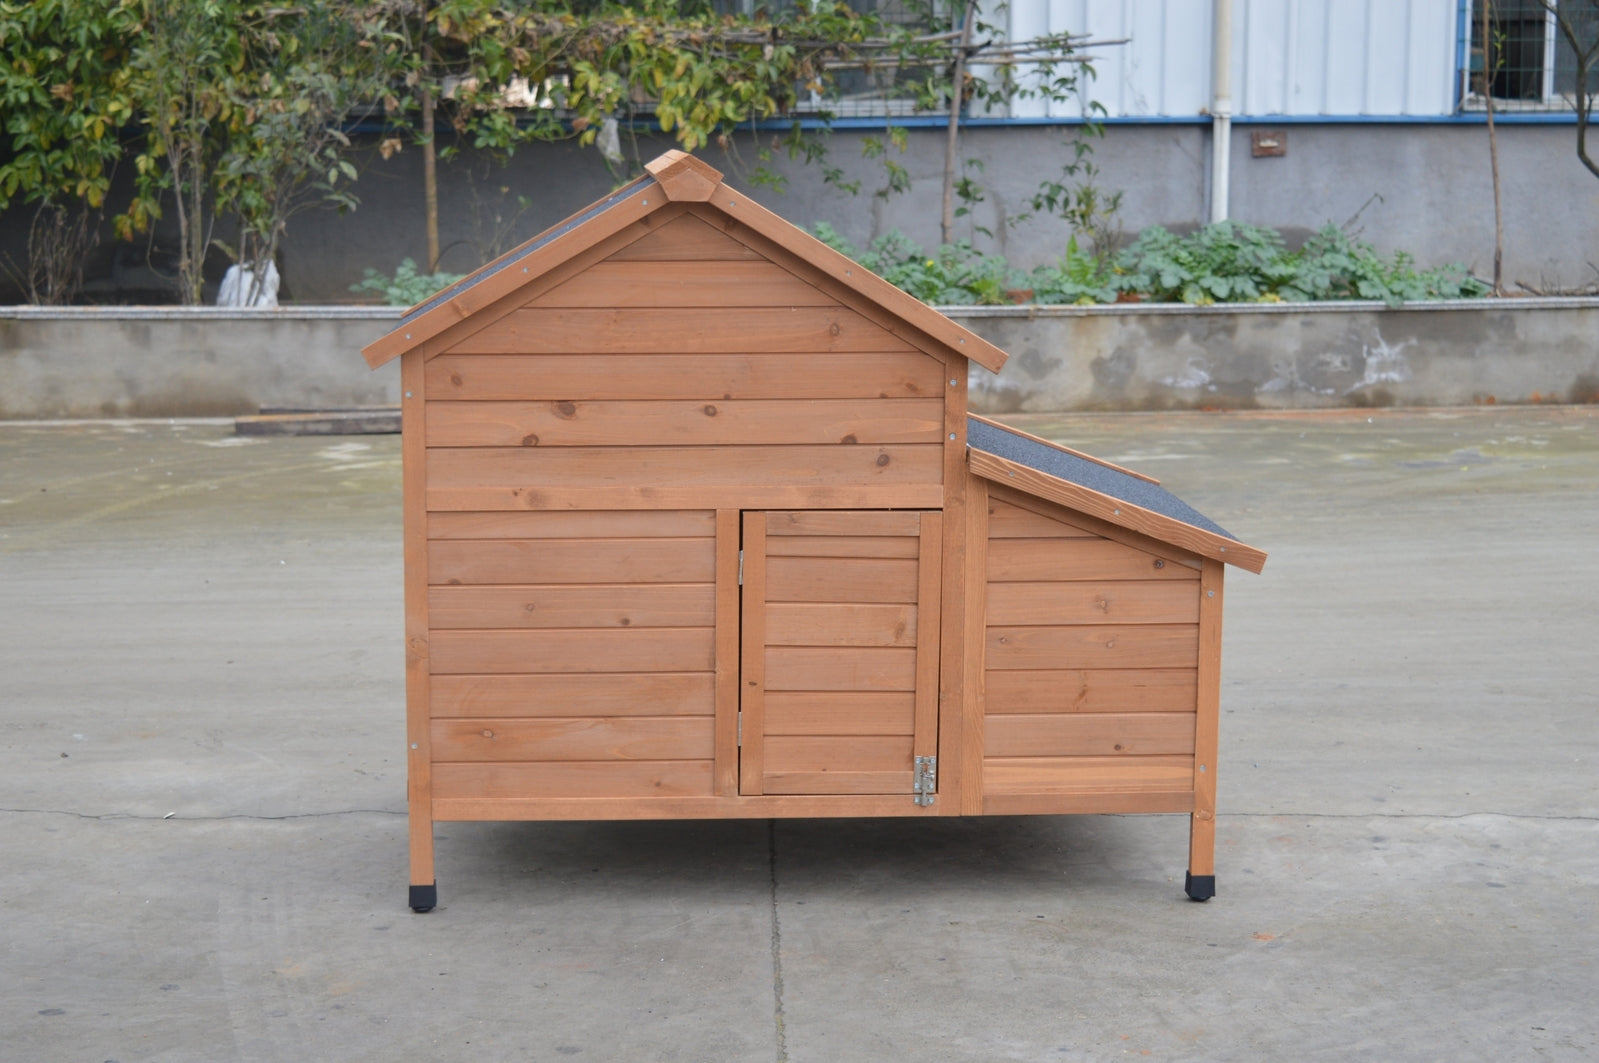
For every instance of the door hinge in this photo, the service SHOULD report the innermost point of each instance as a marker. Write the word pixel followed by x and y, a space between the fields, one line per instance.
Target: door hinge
pixel 925 782
pixel 741 568
pixel 741 729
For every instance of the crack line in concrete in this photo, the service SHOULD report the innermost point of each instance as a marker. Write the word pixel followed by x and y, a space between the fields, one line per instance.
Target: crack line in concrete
pixel 175 818
pixel 777 949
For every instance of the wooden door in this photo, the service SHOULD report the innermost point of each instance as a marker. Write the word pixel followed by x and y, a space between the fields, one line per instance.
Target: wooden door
pixel 839 689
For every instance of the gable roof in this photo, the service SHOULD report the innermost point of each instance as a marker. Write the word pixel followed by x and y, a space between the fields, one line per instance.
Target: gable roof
pixel 1059 474
pixel 674 177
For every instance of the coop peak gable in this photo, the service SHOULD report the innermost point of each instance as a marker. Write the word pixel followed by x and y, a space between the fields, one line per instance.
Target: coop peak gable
pixel 681 183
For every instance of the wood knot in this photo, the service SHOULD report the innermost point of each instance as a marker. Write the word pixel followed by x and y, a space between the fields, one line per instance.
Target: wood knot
pixel 882 460
pixel 849 439
pixel 1160 564
pixel 566 409
pixel 455 378
pixel 487 733
pixel 710 410
pixel 1117 747
pixel 531 607
pixel 626 621
pixel 531 439
pixel 834 329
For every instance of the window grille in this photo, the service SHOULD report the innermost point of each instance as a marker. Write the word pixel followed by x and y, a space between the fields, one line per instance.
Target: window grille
pixel 1518 54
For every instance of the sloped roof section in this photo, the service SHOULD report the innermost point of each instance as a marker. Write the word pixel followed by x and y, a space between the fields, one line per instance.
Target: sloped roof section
pixel 1005 455
pixel 674 177
pixel 544 239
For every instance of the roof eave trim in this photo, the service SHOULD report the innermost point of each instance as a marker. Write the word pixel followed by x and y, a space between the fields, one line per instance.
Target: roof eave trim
pixel 1122 514
pixel 498 281
pixel 853 275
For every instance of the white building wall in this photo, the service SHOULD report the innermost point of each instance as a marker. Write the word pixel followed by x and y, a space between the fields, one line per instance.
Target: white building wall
pixel 1294 58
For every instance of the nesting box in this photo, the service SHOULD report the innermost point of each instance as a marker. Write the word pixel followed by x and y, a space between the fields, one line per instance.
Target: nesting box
pixel 697 525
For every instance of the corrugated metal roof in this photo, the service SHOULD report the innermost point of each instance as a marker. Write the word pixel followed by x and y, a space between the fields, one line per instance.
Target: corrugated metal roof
pixel 1022 450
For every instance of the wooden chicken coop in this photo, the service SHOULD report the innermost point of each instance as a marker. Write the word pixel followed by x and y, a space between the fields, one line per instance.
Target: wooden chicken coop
pixel 697 525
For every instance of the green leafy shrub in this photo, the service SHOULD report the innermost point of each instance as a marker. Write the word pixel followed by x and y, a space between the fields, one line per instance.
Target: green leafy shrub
pixel 1232 262
pixel 1227 262
pixel 407 287
pixel 954 274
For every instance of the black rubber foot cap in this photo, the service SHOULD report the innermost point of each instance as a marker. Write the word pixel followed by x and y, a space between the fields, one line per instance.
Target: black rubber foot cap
pixel 424 898
pixel 1199 887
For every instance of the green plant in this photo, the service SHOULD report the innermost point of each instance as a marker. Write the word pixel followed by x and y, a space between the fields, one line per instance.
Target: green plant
pixel 1077 277
pixel 63 99
pixel 1228 262
pixel 1234 262
pixel 406 287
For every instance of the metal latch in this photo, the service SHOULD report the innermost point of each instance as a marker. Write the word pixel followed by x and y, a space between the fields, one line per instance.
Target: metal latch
pixel 924 784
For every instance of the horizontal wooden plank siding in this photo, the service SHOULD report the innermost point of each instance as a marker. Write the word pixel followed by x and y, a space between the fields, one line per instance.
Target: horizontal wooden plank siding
pixel 843 546
pixel 852 624
pixel 838 753
pixel 565 694
pixel 724 422
pixel 1102 602
pixel 498 472
pixel 1083 646
pixel 572 738
pixel 687 239
pixel 1089 734
pixel 579 650
pixel 1091 667
pixel 572 653
pixel 588 458
pixel 1075 775
pixel 666 330
pixel 629 283
pixel 568 524
pixel 573 606
pixel 1091 690
pixel 817 712
pixel 836 526
pixel 693 377
pixel 583 778
pixel 459 561
pixel 1006 521
pixel 1012 560
pixel 832 668
pixel 803 579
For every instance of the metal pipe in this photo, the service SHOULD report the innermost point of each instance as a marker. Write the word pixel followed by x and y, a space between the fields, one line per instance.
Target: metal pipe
pixel 1221 110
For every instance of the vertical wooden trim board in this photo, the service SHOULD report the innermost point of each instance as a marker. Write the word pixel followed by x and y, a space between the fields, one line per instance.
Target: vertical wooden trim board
pixel 1202 832
pixel 752 666
pixel 974 648
pixel 928 634
pixel 419 753
pixel 959 744
pixel 727 651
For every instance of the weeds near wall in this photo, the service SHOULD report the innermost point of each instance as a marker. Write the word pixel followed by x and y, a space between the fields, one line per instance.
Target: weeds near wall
pixel 1227 262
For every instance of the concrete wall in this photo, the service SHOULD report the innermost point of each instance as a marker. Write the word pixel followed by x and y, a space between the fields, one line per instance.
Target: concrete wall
pixel 1289 356
pixel 171 362
pixel 148 362
pixel 1420 188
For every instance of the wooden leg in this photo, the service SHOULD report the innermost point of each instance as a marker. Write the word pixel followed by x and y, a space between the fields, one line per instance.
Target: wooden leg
pixel 1200 883
pixel 424 884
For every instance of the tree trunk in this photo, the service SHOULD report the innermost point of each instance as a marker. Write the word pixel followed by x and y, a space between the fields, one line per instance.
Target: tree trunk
pixel 952 136
pixel 430 173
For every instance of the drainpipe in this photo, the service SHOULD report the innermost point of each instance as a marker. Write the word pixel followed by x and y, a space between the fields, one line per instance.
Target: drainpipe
pixel 1221 110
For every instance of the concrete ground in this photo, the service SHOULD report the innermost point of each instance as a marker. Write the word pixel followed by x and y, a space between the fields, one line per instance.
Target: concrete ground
pixel 202 781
